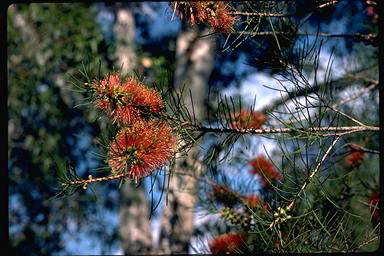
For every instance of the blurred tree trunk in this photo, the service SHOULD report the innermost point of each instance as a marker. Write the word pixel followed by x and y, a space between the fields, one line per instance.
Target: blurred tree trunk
pixel 124 30
pixel 134 226
pixel 194 64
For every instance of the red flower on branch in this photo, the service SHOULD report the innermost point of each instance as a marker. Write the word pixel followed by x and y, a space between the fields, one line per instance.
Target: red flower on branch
pixel 229 243
pixel 141 148
pixel 263 167
pixel 247 120
pixel 374 202
pixel 255 202
pixel 356 156
pixel 126 101
pixel 252 201
pixel 220 19
pixel 372 10
pixel 214 13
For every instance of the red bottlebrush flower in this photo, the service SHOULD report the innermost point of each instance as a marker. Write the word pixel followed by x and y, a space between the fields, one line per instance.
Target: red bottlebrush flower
pixel 247 120
pixel 252 201
pixel 262 166
pixel 255 202
pixel 374 206
pixel 266 207
pixel 126 101
pixel 229 243
pixel 191 11
pixel 355 158
pixel 141 148
pixel 372 10
pixel 224 195
pixel 215 13
pixel 220 19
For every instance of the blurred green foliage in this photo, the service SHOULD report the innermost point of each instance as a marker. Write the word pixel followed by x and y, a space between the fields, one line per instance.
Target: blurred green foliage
pixel 47 45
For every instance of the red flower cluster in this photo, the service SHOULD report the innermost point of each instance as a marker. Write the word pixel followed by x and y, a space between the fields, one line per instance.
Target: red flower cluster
pixel 142 144
pixel 140 148
pixel 372 10
pixel 247 120
pixel 229 243
pixel 126 101
pixel 215 13
pixel 254 202
pixel 374 202
pixel 262 166
pixel 355 158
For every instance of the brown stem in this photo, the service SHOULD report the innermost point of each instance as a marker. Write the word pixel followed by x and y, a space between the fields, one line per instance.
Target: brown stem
pixel 91 180
pixel 290 130
pixel 357 36
pixel 262 14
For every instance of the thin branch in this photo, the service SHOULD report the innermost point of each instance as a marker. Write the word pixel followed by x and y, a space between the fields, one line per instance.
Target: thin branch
pixel 289 96
pixel 313 173
pixel 361 148
pixel 357 36
pixel 367 242
pixel 305 91
pixel 344 129
pixel 262 14
pixel 357 95
pixel 91 179
pixel 348 116
pixel 351 129
pixel 281 15
pixel 281 100
pixel 327 4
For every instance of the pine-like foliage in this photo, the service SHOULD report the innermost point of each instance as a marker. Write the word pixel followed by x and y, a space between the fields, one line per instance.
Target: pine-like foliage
pixel 318 192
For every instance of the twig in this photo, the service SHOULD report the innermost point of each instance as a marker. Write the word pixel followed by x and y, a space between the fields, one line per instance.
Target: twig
pixel 358 36
pixel 367 242
pixel 350 129
pixel 281 15
pixel 302 92
pixel 262 14
pixel 327 4
pixel 361 148
pixel 313 173
pixel 357 95
pixel 346 129
pixel 91 180
pixel 314 88
pixel 348 116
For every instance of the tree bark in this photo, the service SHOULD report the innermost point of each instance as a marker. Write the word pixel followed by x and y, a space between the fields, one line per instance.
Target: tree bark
pixel 194 64
pixel 124 30
pixel 134 226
